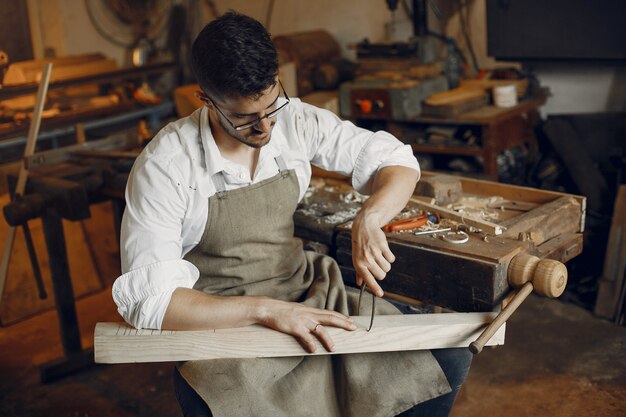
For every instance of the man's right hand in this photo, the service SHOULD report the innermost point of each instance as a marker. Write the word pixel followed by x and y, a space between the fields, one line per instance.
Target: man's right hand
pixel 302 322
pixel 194 310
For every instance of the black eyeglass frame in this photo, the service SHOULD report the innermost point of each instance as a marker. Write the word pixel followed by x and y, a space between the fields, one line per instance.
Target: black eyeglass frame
pixel 255 122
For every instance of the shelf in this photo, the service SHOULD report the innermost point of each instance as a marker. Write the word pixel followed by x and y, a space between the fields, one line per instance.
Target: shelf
pixel 447 150
pixel 486 115
pixel 10 91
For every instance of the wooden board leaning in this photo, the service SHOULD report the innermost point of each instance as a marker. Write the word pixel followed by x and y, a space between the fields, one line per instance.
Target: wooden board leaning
pixel 120 343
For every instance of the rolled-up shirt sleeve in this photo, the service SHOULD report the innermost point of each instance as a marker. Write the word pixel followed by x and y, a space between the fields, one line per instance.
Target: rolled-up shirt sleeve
pixel 151 243
pixel 142 295
pixel 340 146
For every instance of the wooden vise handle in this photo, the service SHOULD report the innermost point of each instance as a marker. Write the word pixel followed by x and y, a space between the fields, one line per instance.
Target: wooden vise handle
pixel 547 277
pixel 477 346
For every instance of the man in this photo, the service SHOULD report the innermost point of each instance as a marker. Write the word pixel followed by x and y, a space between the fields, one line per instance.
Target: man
pixel 207 242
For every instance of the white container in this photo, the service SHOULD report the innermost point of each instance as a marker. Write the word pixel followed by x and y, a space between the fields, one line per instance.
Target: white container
pixel 505 96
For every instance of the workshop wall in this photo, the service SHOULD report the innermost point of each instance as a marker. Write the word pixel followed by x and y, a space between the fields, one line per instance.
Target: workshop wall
pixel 63 27
pixel 575 88
pixel 349 20
pixel 583 88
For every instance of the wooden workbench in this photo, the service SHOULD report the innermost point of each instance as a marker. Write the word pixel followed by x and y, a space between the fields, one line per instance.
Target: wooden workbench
pixel 463 277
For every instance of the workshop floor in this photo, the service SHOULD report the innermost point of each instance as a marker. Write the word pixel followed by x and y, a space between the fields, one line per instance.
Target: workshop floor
pixel 558 360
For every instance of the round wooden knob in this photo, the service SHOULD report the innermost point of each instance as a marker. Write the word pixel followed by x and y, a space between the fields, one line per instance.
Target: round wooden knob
pixel 550 278
pixel 521 269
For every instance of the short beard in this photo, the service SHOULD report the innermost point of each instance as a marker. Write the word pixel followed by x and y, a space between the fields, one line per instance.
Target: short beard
pixel 233 134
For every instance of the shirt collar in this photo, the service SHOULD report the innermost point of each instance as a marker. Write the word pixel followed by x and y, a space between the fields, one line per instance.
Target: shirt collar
pixel 214 160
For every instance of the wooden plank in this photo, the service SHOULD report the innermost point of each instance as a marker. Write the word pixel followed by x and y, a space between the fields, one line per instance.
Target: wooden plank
pixel 561 248
pixel 510 192
pixel 55 156
pixel 495 249
pixel 455 96
pixel 445 189
pixel 545 222
pixel 612 283
pixel 485 226
pixel 453 109
pixel 492 114
pixel 120 343
pixel 130 154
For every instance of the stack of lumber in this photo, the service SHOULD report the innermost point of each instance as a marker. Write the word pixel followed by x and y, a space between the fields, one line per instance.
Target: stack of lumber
pixel 64 68
pixel 612 289
pixel 454 102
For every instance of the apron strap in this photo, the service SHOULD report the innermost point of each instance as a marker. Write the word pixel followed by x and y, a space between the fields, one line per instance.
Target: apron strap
pixel 282 166
pixel 220 183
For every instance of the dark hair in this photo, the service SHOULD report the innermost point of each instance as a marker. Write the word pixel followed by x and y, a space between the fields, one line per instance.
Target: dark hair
pixel 233 56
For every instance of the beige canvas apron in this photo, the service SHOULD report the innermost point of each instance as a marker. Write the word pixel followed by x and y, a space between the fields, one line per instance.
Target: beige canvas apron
pixel 248 248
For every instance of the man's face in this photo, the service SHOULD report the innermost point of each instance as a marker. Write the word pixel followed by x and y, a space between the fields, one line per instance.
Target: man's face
pixel 239 111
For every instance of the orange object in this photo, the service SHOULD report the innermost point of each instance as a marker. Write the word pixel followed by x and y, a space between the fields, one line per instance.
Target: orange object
pixel 405 224
pixel 412 222
pixel 366 106
pixel 409 225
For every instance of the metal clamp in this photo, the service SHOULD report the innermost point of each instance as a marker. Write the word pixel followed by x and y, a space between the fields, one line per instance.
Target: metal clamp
pixel 456 237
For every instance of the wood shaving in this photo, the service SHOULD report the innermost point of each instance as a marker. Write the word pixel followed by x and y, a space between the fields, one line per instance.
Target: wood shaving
pixel 353 197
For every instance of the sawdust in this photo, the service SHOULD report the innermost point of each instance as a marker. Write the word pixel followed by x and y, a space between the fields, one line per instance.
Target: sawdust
pixel 477 208
pixel 340 216
pixel 322 213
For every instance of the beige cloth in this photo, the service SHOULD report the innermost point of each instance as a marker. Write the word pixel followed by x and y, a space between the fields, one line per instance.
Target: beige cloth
pixel 248 248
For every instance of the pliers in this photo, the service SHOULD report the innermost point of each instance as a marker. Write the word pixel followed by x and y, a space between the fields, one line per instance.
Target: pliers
pixel 412 222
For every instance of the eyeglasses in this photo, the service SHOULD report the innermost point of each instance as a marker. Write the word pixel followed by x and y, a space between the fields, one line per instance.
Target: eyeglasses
pixel 258 120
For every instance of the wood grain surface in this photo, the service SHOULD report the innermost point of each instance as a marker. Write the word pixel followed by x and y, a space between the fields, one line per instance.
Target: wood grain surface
pixel 120 343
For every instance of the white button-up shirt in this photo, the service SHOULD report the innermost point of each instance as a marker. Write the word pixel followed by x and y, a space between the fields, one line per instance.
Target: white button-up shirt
pixel 168 192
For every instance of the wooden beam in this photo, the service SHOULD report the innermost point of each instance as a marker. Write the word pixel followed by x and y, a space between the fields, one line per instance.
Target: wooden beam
pixel 59 155
pixel 509 191
pixel 485 226
pixel 561 248
pixel 613 281
pixel 31 141
pixel 120 343
pixel 117 154
pixel 546 222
